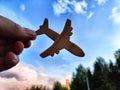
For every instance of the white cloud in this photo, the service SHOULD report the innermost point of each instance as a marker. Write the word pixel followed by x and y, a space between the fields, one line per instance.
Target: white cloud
pixel 22 7
pixel 60 8
pixel 101 2
pixel 64 6
pixel 90 15
pixel 115 15
pixel 80 7
pixel 21 77
pixel 24 75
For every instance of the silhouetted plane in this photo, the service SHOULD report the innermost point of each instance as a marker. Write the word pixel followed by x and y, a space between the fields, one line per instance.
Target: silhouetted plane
pixel 60 40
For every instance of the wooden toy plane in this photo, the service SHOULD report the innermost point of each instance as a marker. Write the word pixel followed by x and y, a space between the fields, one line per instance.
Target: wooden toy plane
pixel 60 40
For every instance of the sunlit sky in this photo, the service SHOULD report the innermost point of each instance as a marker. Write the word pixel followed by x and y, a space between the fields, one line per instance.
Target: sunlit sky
pixel 96 29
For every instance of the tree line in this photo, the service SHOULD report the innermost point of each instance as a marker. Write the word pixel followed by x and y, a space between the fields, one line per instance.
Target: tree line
pixel 105 76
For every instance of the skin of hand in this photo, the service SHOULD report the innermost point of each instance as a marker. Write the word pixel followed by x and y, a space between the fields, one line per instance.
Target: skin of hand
pixel 13 40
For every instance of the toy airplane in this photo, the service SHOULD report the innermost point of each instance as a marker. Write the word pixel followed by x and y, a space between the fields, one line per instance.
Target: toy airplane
pixel 60 40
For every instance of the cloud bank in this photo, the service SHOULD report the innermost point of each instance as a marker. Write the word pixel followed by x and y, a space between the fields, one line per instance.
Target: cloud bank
pixel 19 77
pixel 24 75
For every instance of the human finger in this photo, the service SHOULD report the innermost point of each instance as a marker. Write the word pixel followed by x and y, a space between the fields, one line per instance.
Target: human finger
pixel 17 47
pixel 27 43
pixel 7 45
pixel 2 51
pixel 2 65
pixel 10 60
pixel 10 29
pixel 2 47
pixel 2 42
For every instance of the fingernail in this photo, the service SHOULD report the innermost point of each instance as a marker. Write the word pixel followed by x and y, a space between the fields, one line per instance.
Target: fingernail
pixel 16 59
pixel 11 60
pixel 12 57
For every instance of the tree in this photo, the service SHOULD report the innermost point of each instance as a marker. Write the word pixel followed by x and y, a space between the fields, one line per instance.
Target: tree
pixel 79 79
pixel 58 86
pixel 90 79
pixel 114 74
pixel 37 87
pixel 101 76
pixel 117 57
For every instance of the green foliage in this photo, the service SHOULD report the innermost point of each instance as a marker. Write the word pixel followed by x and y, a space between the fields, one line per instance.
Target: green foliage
pixel 99 79
pixel 58 86
pixel 100 75
pixel 79 79
pixel 117 56
pixel 114 74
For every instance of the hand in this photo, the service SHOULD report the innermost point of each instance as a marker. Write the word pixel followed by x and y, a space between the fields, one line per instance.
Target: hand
pixel 12 42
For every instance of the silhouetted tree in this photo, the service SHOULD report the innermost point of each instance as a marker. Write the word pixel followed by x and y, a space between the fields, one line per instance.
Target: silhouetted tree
pixel 100 76
pixel 58 86
pixel 117 57
pixel 37 87
pixel 114 74
pixel 90 79
pixel 79 79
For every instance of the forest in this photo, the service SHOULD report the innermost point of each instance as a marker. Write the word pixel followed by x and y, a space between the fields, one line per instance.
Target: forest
pixel 105 76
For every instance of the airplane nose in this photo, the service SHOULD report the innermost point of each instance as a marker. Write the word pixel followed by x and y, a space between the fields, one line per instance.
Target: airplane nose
pixel 80 53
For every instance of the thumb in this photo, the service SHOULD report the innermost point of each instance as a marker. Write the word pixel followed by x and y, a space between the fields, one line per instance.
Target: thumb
pixel 9 29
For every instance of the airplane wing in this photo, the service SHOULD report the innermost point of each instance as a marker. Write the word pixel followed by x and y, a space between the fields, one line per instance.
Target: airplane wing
pixel 50 51
pixel 71 47
pixel 47 52
pixel 67 28
pixel 74 49
pixel 45 23
pixel 68 45
pixel 43 27
pixel 55 47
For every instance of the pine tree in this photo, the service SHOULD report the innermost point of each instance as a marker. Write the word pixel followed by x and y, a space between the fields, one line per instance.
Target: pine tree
pixel 58 86
pixel 90 79
pixel 115 70
pixel 101 76
pixel 79 79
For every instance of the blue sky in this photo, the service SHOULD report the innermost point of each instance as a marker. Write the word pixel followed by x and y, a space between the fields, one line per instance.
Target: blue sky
pixel 96 29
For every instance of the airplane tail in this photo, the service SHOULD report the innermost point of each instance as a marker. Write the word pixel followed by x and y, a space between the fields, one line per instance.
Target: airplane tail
pixel 43 27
